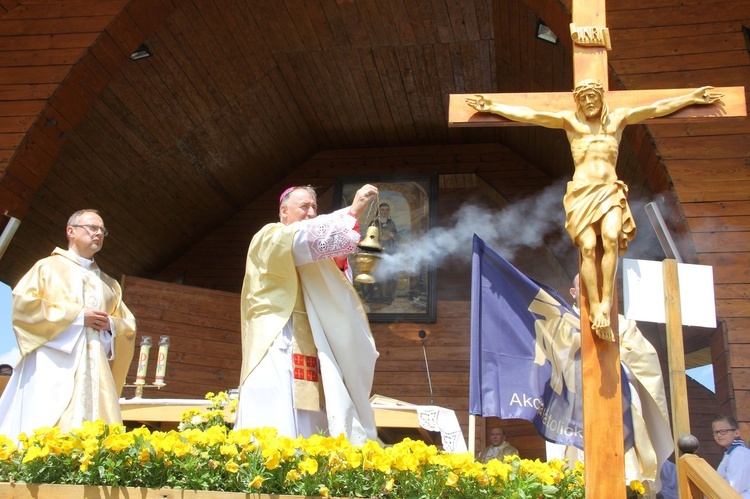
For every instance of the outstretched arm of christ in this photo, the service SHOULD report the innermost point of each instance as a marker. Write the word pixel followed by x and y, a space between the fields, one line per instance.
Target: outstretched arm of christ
pixel 517 113
pixel 664 107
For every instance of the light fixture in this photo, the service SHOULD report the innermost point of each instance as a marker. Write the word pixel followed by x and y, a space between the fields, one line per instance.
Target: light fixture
pixel 141 52
pixel 544 33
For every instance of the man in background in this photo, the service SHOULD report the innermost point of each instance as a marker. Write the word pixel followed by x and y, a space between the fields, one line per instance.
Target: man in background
pixel 75 335
pixel 308 356
pixel 498 448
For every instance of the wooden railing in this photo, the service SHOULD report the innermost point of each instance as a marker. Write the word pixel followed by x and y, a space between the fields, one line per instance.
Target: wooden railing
pixel 697 478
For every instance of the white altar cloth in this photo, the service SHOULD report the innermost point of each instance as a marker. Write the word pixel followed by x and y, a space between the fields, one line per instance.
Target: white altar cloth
pixel 431 418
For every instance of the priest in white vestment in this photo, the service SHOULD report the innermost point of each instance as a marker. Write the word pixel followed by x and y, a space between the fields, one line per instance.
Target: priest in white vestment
pixel 75 335
pixel 308 352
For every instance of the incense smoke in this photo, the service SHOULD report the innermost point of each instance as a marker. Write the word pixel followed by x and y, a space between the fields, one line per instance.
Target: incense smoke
pixel 523 224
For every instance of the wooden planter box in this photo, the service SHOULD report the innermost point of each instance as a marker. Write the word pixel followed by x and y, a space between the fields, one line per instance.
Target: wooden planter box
pixel 26 491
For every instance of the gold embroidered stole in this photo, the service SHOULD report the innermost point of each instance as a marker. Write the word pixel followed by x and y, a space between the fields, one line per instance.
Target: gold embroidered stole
pixel 271 295
pixel 94 395
pixel 90 365
pixel 308 394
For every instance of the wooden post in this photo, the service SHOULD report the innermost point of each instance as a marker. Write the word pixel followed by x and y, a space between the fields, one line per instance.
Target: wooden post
pixel 600 359
pixel 604 447
pixel 676 359
pixel 590 61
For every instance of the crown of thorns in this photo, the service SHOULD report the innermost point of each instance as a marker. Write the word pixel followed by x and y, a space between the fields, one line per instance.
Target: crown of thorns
pixel 588 85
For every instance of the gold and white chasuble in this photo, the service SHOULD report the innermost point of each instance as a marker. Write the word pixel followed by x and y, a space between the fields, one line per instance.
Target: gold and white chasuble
pixel 68 373
pixel 308 352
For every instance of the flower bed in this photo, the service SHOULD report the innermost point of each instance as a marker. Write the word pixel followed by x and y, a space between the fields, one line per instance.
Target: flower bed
pixel 261 462
pixel 207 459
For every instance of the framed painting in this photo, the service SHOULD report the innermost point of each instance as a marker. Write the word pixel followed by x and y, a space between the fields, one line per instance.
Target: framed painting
pixel 405 288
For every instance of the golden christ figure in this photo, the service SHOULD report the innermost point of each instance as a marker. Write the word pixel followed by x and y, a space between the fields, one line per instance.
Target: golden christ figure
pixel 595 202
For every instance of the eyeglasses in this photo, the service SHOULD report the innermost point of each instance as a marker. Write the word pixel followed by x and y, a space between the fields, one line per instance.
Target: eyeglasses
pixel 723 432
pixel 94 229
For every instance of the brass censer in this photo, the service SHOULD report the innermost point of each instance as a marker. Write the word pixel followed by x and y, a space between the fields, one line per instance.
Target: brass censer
pixel 369 257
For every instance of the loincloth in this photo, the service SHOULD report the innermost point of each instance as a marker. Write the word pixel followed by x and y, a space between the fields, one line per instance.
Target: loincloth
pixel 586 204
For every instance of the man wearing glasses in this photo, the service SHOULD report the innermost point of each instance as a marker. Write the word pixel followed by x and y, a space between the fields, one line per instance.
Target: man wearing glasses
pixel 75 335
pixel 735 465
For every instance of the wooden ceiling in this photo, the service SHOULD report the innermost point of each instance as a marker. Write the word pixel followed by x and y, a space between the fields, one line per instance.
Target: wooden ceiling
pixel 238 93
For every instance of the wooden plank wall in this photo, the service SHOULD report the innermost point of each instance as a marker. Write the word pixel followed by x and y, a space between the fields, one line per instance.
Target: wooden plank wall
pixel 707 162
pixel 204 330
pixel 703 403
pixel 55 58
pixel 722 232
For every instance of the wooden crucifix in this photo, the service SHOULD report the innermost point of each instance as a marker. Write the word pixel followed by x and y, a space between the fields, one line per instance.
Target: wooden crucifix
pixel 598 217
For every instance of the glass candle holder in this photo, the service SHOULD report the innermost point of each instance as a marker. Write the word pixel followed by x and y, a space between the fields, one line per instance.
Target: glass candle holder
pixel 140 377
pixel 161 362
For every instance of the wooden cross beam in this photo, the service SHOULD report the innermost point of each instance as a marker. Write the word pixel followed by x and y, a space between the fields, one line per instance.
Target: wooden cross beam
pixel 602 395
pixel 462 115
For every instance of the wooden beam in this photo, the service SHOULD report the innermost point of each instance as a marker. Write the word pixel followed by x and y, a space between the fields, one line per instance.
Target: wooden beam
pixel 462 115
pixel 603 442
pixel 676 356
pixel 590 61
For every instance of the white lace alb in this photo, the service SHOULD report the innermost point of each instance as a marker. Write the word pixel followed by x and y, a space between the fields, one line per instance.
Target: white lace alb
pixel 329 236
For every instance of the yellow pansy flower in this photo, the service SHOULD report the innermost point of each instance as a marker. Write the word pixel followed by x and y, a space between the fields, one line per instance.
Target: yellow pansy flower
pixel 257 482
pixel 272 461
pixel 637 487
pixel 452 480
pixel 228 450
pixel 308 465
pixel 293 476
pixel 232 467
pixel 389 484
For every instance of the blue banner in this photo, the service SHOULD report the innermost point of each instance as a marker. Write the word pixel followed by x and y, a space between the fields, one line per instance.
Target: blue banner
pixel 526 352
